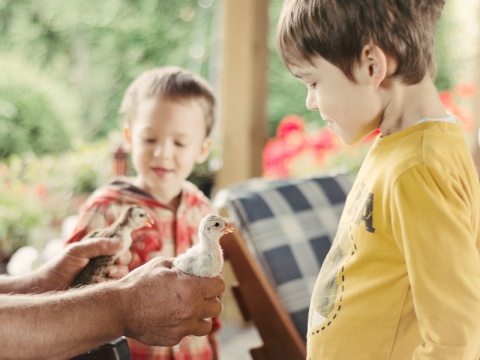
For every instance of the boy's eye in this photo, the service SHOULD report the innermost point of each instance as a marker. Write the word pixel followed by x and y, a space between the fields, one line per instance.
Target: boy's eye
pixel 312 86
pixel 149 140
pixel 180 144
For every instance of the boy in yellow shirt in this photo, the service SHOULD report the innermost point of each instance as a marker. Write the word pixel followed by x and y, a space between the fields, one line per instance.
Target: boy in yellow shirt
pixel 402 279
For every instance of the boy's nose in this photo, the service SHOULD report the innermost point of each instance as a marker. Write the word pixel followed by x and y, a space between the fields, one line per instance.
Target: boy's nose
pixel 163 150
pixel 311 101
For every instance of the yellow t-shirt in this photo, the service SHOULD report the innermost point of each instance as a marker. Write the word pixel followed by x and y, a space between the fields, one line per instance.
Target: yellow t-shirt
pixel 402 279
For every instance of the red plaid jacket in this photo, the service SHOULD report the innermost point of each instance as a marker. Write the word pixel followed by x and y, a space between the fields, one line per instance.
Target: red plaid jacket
pixel 173 233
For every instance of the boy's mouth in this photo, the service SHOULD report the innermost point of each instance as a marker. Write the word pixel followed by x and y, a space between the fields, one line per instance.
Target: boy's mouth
pixel 161 171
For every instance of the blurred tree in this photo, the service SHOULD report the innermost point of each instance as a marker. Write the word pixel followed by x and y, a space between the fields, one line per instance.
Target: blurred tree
pixel 29 123
pixel 97 48
pixel 444 56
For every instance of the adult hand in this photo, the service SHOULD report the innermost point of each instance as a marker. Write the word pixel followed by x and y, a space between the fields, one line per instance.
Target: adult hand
pixel 161 305
pixel 59 272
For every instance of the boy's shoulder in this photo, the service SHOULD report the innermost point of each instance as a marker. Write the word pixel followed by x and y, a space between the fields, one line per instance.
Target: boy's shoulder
pixel 192 193
pixel 434 146
pixel 119 190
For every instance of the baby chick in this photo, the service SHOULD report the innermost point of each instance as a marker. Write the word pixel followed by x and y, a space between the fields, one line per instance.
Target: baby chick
pixel 135 217
pixel 205 259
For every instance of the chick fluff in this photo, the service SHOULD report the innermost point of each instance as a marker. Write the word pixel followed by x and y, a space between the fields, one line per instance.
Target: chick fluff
pixel 205 258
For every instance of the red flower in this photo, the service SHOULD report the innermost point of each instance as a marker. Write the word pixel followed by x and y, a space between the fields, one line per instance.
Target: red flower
pixel 446 97
pixel 40 190
pixel 324 140
pixel 274 153
pixel 465 116
pixel 289 124
pixel 466 89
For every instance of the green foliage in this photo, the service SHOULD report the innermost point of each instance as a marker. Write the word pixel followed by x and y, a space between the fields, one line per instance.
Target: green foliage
pixel 20 211
pixel 443 49
pixel 38 191
pixel 97 48
pixel 78 171
pixel 286 93
pixel 29 123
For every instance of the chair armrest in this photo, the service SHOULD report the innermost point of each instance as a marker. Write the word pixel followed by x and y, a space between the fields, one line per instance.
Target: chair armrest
pixel 280 337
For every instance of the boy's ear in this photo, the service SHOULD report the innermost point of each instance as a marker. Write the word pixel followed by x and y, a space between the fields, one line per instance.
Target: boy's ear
pixel 204 150
pixel 378 64
pixel 127 135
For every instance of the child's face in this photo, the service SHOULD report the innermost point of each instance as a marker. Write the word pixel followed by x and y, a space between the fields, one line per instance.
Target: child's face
pixel 351 110
pixel 166 138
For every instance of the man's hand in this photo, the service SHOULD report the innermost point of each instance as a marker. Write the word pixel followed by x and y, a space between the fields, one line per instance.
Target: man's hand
pixel 161 305
pixel 59 272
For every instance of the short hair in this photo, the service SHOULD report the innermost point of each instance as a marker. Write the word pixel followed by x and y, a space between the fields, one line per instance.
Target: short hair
pixel 337 30
pixel 174 83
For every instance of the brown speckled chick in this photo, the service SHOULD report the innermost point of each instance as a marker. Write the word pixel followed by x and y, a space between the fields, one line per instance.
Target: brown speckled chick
pixel 135 217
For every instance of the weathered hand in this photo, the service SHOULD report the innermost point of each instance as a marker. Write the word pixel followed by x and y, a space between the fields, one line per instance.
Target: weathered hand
pixel 58 273
pixel 161 305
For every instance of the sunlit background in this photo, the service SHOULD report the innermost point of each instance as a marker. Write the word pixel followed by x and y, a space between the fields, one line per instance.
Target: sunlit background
pixel 66 64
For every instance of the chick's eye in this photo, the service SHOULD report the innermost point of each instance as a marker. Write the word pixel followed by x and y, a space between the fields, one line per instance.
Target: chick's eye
pixel 217 224
pixel 142 215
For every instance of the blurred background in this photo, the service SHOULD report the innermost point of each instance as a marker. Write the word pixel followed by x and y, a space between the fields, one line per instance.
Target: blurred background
pixel 64 66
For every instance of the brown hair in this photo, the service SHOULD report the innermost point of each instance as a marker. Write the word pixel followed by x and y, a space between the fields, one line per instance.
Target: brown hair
pixel 173 82
pixel 337 30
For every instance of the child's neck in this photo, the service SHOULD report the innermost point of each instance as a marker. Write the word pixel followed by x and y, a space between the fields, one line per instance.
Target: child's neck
pixel 409 104
pixel 172 201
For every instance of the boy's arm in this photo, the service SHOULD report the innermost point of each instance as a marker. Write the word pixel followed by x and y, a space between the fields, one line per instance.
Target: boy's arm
pixel 435 216
pixel 154 304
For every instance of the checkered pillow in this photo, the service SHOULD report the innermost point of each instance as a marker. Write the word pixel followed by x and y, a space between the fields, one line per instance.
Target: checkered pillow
pixel 289 225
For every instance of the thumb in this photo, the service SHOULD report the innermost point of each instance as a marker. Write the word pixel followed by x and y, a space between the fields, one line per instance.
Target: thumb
pixel 91 248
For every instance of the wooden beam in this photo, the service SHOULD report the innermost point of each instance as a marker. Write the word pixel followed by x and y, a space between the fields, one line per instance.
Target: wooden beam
pixel 244 89
pixel 475 138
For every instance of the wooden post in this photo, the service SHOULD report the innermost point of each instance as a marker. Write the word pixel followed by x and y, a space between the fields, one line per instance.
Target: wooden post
pixel 475 141
pixel 244 88
pixel 120 162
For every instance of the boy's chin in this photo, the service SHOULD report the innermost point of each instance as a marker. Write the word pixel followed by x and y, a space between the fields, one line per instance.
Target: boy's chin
pixel 346 138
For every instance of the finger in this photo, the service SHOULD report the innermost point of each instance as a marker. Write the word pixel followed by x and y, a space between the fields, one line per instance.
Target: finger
pixel 211 287
pixel 163 262
pixel 212 307
pixel 203 327
pixel 90 248
pixel 117 271
pixel 125 258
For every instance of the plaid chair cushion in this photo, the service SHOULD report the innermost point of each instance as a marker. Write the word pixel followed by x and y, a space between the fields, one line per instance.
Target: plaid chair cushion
pixel 289 225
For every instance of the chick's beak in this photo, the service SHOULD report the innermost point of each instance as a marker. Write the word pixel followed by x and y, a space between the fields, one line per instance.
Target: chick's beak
pixel 149 222
pixel 228 229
